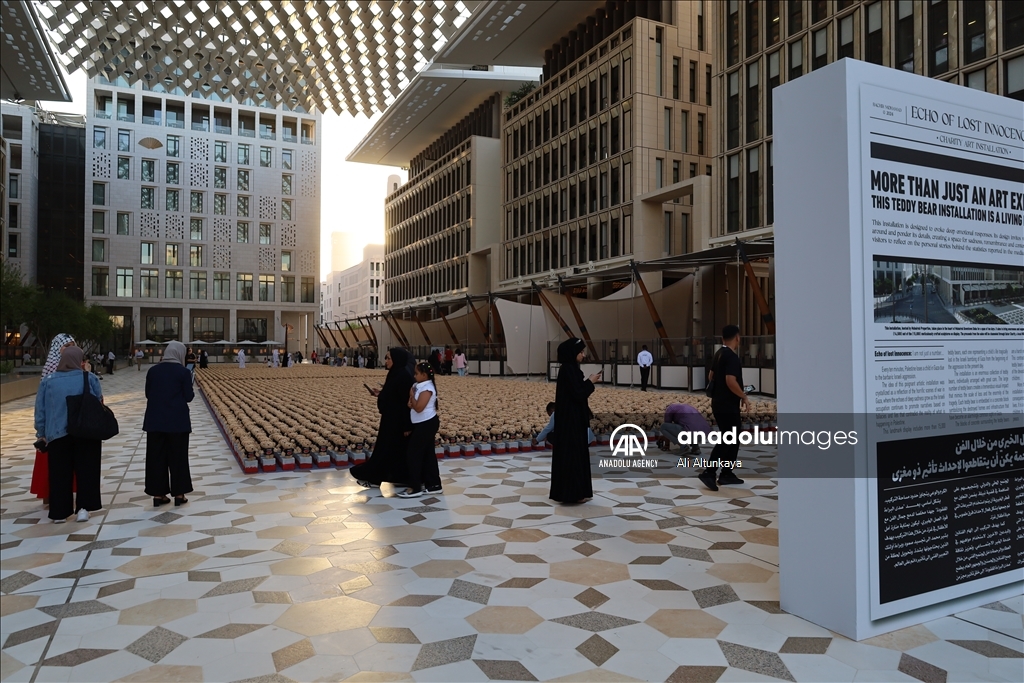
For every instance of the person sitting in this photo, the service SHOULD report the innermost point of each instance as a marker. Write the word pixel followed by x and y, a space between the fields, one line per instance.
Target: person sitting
pixel 544 436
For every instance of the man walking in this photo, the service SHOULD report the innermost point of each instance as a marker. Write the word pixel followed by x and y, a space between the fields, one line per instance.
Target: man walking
pixel 645 360
pixel 726 402
pixel 110 361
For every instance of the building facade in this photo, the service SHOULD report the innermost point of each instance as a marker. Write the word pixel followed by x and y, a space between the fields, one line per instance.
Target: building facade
pixel 761 44
pixel 60 214
pixel 20 128
pixel 202 216
pixel 440 225
pixel 625 109
pixel 355 291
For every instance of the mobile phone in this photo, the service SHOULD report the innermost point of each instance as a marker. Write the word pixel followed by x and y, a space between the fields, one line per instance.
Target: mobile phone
pixel 368 387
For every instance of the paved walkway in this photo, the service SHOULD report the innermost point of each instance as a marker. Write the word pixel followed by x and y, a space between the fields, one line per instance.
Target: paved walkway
pixel 303 576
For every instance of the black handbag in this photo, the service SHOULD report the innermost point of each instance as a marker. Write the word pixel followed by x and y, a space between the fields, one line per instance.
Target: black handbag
pixel 88 418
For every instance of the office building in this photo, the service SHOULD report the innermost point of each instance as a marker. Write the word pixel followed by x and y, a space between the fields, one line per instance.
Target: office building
pixel 761 44
pixel 203 215
pixel 60 212
pixel 355 291
pixel 20 128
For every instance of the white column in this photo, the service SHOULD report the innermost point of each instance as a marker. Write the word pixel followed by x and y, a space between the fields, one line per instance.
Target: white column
pixel 185 331
pixel 140 328
pixel 232 325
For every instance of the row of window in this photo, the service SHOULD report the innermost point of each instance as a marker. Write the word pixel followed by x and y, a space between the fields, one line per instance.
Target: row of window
pixel 173 197
pixel 450 277
pixel 174 254
pixel 197 228
pixel 609 236
pixel 220 149
pixel 749 178
pixel 163 328
pixel 172 175
pixel 246 285
pixel 428 224
pixel 422 195
pixel 449 244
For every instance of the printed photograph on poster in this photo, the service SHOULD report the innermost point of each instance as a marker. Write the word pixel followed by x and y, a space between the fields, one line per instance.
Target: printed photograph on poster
pixel 946 293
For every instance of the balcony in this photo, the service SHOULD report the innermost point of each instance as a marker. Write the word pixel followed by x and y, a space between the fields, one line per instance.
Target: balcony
pixel 203 126
pixel 151 120
pixel 247 132
pixel 175 123
pixel 308 141
pixel 127 118
pixel 222 130
pixel 289 138
pixel 103 114
pixel 268 135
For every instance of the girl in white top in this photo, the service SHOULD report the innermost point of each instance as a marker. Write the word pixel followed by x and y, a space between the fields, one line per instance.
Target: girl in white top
pixel 422 463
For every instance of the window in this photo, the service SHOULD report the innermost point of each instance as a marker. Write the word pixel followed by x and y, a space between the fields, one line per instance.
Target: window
pixel 732 128
pixel 196 202
pixel 700 134
pixel 243 155
pixel 243 181
pixel 266 157
pixel 976 80
pixel 196 229
pixel 974 30
pixel 667 125
pixel 286 261
pixel 732 43
pixel 938 37
pixel 100 281
pixel 222 286
pixel 659 171
pixel 286 159
pixel 220 178
pixel 707 85
pixel 796 59
pixel 753 190
pixel 197 290
pixel 1015 78
pixel 244 291
pixel 753 102
pixel 286 210
pixel 12 215
pixel 769 189
pixel 124 141
pixel 99 194
pixel 12 186
pixel 99 221
pixel 845 37
pixel 124 282
pixel 675 78
pixel 307 290
pixel 99 250
pixel 287 288
pixel 732 206
pixel 667 232
pixel 252 329
pixel 1013 26
pixel 242 206
pixel 243 232
pixel 173 200
pixel 286 184
pixel 171 255
pixel 220 152
pixel 693 82
pixel 685 139
pixel 267 288
pixel 220 205
pixel 173 284
pixel 124 165
pixel 819 10
pixel 820 58
pixel 905 35
pixel 796 16
pixel 675 174
pixel 99 137
pixel 173 176
pixel 173 145
pixel 124 222
pixel 773 17
pixel 148 253
pixel 148 171
pixel 773 82
pixel 264 233
pixel 753 39
pixel 195 256
pixel 149 282
pixel 207 329
pixel 161 328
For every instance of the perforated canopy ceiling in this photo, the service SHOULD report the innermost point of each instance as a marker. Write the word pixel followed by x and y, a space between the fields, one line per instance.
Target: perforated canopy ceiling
pixel 349 56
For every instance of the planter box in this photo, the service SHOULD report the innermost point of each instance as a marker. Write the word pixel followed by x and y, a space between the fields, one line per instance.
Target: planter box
pixel 484 448
pixel 250 465
pixel 356 457
pixel 340 459
pixel 286 462
pixel 467 450
pixel 322 459
pixel 268 464
pixel 512 447
pixel 604 439
pixel 439 452
pixel 499 448
pixel 304 461
pixel 525 446
pixel 451 450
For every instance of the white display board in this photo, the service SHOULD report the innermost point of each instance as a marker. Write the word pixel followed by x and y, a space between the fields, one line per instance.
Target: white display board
pixel 901 200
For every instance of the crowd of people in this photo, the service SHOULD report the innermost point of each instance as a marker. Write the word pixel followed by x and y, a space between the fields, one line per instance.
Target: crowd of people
pixel 67 467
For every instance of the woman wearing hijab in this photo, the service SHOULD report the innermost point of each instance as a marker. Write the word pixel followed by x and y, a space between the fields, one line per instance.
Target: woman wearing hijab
pixel 72 460
pixel 167 425
pixel 570 452
pixel 387 463
pixel 40 470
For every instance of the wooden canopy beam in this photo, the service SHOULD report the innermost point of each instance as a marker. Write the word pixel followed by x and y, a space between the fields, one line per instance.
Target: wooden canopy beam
pixel 416 317
pixel 658 325
pixel 762 303
pixel 554 311
pixel 479 321
pixel 579 319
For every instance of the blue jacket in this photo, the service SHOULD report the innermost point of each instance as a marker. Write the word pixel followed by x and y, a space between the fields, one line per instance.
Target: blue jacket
pixel 51 403
pixel 168 390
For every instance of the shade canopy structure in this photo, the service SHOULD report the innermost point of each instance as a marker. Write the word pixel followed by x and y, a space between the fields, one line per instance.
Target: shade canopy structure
pixel 251 343
pixel 147 342
pixel 198 342
pixel 353 57
pixel 28 67
pixel 224 341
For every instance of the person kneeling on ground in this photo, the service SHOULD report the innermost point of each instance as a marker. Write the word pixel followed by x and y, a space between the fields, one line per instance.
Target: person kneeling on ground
pixel 544 436
pixel 681 417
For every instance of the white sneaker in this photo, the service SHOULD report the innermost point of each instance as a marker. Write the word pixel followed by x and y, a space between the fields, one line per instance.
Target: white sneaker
pixel 83 515
pixel 409 493
pixel 59 521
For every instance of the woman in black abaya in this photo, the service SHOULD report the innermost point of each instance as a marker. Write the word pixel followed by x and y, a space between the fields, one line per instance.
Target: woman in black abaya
pixel 570 454
pixel 387 462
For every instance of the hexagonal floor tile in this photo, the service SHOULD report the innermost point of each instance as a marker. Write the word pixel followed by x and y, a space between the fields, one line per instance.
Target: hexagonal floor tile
pixel 741 572
pixel 589 572
pixel 686 623
pixel 300 566
pixel 442 569
pixel 497 619
pixel 164 563
pixel 655 536
pixel 156 612
pixel 327 616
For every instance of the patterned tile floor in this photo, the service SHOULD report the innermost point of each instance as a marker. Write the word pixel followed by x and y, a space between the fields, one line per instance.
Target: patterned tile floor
pixel 304 576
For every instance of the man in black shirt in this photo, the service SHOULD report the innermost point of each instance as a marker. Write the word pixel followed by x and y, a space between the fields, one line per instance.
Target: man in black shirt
pixel 726 403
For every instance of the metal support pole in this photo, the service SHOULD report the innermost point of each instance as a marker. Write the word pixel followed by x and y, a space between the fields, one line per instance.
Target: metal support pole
pixel 654 312
pixel 579 320
pixel 327 327
pixel 416 317
pixel 342 333
pixel 451 332
pixel 479 321
pixel 370 334
pixel 398 328
pixel 554 311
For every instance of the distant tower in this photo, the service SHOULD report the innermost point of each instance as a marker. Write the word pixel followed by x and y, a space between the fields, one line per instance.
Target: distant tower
pixel 394 182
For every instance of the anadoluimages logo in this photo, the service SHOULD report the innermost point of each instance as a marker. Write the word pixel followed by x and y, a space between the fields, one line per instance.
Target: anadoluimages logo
pixel 625 441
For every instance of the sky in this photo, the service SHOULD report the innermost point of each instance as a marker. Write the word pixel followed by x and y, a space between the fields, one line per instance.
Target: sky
pixel 351 195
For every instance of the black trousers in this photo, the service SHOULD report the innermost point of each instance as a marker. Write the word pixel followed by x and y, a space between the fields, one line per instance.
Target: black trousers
pixel 726 420
pixel 74 460
pixel 421 461
pixel 167 452
pixel 645 374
